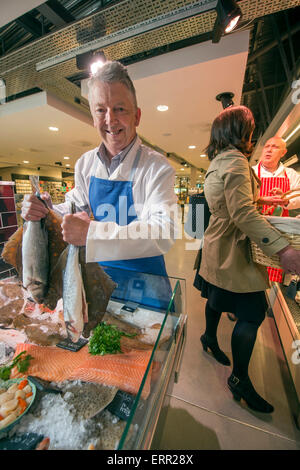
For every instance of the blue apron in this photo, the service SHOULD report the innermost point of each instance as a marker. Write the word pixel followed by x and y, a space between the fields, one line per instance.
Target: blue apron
pixel 110 200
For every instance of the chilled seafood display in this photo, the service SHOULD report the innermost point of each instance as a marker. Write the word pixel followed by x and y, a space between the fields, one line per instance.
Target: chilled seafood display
pixel 56 313
pixel 67 425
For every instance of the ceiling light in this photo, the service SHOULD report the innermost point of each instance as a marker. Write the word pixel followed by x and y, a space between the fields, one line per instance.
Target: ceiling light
pixel 192 146
pixel 203 155
pixel 54 129
pixel 66 158
pixel 95 66
pixel 25 161
pixel 292 133
pixel 162 107
pixel 91 62
pixel 182 169
pixel 228 16
pixel 68 164
pixel 290 161
pixel 232 24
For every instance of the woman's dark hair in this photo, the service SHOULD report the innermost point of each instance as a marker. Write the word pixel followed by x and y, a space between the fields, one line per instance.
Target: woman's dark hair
pixel 233 127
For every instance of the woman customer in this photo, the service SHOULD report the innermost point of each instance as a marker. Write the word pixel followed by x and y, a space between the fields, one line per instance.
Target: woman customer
pixel 230 280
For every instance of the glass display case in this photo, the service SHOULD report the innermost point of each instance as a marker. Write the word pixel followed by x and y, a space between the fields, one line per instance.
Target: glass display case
pixel 287 317
pixel 139 375
pixel 140 299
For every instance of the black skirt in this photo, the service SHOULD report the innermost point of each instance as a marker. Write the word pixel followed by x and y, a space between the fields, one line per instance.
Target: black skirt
pixel 247 306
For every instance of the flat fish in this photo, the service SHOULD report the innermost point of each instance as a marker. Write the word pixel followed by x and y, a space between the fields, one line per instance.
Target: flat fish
pixel 88 399
pixel 98 290
pixel 74 301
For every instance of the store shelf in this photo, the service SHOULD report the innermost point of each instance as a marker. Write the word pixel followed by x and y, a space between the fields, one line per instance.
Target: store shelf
pixel 57 188
pixel 8 222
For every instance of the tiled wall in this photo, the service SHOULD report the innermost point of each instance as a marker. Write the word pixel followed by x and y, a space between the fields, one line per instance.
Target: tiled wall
pixel 8 222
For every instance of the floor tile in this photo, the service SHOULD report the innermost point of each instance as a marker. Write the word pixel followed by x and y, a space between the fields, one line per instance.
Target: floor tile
pixel 203 381
pixel 190 427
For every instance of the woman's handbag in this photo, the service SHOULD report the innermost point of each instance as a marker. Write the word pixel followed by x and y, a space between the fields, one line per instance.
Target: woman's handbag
pixel 289 228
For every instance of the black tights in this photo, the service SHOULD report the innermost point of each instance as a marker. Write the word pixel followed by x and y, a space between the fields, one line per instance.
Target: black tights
pixel 242 340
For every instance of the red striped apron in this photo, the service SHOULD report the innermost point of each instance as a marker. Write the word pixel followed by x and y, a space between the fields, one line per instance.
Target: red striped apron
pixel 267 184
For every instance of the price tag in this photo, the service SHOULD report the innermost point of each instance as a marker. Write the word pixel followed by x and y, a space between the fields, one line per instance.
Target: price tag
pixel 121 405
pixel 27 441
pixel 68 344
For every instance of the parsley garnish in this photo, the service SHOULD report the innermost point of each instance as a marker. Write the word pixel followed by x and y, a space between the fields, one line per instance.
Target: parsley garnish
pixel 21 363
pixel 106 339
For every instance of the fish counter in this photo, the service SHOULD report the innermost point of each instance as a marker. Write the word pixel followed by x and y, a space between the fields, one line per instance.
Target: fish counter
pixel 86 351
pixel 87 396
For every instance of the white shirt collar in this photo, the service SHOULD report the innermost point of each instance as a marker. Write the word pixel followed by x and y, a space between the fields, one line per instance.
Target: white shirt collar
pixel 280 170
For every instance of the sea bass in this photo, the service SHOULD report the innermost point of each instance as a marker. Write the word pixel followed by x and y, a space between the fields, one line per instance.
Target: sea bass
pixel 74 301
pixel 35 256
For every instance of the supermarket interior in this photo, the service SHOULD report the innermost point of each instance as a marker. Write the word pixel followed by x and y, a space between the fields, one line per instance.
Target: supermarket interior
pixel 185 71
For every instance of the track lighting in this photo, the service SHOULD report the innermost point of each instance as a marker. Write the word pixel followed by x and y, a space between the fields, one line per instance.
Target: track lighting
pixel 228 16
pixel 226 99
pixel 90 61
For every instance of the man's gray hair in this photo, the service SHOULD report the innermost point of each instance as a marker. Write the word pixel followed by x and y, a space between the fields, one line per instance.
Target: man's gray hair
pixel 111 72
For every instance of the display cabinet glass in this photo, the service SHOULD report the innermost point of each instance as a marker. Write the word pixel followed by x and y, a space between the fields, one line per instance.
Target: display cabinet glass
pixel 139 296
pixel 154 308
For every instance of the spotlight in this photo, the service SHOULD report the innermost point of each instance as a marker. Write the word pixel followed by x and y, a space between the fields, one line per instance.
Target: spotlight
pixel 226 99
pixel 87 60
pixel 228 16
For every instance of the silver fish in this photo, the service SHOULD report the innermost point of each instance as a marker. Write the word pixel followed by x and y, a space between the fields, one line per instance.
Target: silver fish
pixel 74 300
pixel 35 257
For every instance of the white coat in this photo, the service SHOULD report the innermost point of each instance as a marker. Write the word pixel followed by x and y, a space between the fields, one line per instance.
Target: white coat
pixel 153 232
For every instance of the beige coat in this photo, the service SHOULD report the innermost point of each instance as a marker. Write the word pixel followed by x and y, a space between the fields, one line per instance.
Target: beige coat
pixel 231 189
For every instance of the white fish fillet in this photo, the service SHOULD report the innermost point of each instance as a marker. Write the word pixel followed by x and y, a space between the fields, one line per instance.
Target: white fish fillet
pixel 74 301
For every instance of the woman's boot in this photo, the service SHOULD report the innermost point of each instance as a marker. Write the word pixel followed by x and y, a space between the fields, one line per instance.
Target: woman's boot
pixel 212 344
pixel 244 389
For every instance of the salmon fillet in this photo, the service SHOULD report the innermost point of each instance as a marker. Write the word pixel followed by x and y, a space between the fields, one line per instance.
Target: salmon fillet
pixel 54 364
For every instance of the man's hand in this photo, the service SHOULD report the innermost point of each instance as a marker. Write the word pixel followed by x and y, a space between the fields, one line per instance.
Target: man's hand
pixel 290 260
pixel 75 228
pixel 272 201
pixel 33 209
pixel 276 192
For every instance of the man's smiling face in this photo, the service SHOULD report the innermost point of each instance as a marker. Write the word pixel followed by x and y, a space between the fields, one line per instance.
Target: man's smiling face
pixel 115 115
